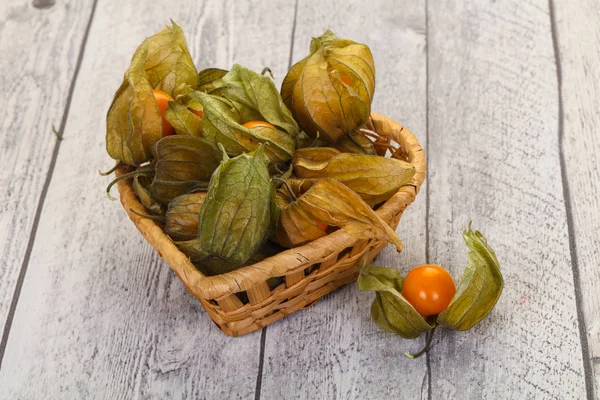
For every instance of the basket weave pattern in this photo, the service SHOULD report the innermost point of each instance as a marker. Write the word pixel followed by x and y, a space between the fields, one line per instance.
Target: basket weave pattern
pixel 309 271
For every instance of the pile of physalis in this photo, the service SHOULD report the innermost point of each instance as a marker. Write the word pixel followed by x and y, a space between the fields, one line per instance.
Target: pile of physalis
pixel 235 171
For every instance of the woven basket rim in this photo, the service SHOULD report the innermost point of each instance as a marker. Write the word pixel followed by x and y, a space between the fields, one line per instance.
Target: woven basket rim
pixel 221 286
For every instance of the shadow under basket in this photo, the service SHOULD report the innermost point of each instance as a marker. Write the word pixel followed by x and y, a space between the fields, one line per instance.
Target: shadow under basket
pixel 308 272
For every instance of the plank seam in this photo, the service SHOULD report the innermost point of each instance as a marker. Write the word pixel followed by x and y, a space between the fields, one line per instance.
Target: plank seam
pixel 261 363
pixel 587 366
pixel 263 336
pixel 38 212
pixel 427 204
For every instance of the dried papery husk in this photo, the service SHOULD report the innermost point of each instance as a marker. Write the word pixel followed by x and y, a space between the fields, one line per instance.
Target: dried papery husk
pixel 133 122
pixel 355 142
pixel 182 216
pixel 374 178
pixel 330 202
pixel 330 91
pixel 295 226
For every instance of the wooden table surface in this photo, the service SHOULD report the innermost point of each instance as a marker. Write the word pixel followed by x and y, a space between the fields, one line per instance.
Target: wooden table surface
pixel 504 97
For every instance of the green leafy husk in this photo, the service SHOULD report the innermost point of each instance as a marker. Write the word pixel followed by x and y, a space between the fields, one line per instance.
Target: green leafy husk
pixel 183 163
pixel 236 215
pixel 222 124
pixel 242 97
pixel 140 187
pixel 258 95
pixel 133 122
pixel 210 79
pixel 169 65
pixel 183 120
pixel 295 226
pixel 480 286
pixel 390 310
pixel 477 294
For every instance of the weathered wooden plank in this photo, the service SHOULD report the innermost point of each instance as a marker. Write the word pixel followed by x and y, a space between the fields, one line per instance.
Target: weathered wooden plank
pixel 39 50
pixel 333 350
pixel 577 32
pixel 493 115
pixel 100 315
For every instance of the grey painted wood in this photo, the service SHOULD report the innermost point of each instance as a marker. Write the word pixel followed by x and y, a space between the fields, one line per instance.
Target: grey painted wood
pixel 39 50
pixel 494 158
pixel 578 32
pixel 333 350
pixel 100 316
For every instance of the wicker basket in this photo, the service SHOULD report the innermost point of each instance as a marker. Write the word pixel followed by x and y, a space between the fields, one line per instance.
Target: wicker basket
pixel 309 272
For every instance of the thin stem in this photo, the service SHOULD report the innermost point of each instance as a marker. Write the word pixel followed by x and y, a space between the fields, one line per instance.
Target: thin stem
pixel 386 145
pixel 398 153
pixel 427 345
pixel 378 138
pixel 382 141
pixel 267 70
pixel 315 141
pixel 153 217
pixel 59 135
pixel 121 178
pixel 363 261
pixel 199 187
pixel 369 133
pixel 110 171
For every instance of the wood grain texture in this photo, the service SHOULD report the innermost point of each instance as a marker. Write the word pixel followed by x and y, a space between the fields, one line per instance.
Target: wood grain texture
pixel 333 350
pixel 39 53
pixel 100 316
pixel 578 34
pixel 493 115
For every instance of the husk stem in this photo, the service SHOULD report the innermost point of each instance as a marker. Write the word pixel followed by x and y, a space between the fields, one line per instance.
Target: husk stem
pixel 398 152
pixel 153 217
pixel 197 189
pixel 373 135
pixel 58 134
pixel 314 143
pixel 424 349
pixel 267 70
pixel 369 133
pixel 121 178
pixel 110 171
